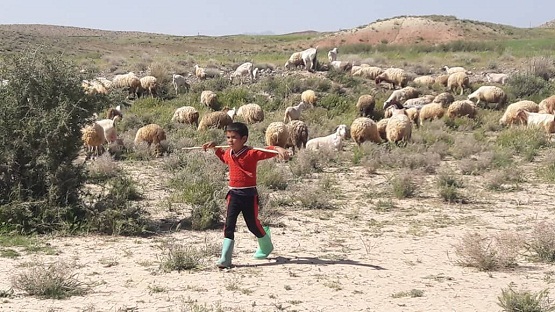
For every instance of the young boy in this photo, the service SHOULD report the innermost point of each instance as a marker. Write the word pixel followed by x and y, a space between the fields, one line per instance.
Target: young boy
pixel 242 196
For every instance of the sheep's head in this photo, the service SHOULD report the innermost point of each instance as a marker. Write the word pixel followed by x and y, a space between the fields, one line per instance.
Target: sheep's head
pixel 343 131
pixel 378 80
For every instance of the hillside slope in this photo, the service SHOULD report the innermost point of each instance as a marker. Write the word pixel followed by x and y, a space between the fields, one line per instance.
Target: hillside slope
pixel 420 29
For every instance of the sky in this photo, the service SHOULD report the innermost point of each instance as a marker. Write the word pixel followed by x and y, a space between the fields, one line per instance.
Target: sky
pixel 231 17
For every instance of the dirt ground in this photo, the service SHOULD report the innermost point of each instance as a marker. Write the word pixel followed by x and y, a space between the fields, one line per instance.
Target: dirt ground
pixel 355 258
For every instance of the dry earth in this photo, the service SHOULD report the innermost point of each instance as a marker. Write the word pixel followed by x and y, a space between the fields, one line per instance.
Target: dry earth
pixel 356 258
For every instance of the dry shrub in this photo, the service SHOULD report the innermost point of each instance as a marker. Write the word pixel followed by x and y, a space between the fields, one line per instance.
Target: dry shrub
pixel 179 257
pixel 489 253
pixel 51 281
pixel 503 180
pixel 541 66
pixel 498 158
pixel 541 242
pixel 465 145
pixel 413 157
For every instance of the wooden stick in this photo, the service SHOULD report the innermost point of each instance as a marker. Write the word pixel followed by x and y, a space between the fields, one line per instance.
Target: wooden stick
pixel 226 146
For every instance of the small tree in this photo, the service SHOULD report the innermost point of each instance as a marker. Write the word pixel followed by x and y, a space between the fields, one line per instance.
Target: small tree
pixel 42 111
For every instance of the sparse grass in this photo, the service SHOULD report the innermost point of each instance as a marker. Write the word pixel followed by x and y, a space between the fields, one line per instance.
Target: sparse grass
pixel 50 281
pixel 525 142
pixel 413 293
pixel 512 300
pixel 489 253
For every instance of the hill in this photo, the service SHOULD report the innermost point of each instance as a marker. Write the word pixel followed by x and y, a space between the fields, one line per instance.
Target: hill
pixel 404 30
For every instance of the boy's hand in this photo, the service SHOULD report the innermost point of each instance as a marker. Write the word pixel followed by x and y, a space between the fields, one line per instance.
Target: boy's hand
pixel 282 153
pixel 208 145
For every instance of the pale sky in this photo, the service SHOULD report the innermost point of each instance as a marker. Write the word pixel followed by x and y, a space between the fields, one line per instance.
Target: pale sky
pixel 230 17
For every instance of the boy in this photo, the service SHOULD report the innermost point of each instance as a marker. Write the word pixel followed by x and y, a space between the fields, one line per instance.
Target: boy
pixel 242 196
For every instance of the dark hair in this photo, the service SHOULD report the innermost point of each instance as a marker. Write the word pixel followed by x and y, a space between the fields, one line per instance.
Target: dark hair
pixel 238 127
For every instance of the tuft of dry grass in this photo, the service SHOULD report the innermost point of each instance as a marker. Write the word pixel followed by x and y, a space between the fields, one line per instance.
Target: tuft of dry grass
pixel 50 281
pixel 489 253
pixel 541 242
pixel 512 300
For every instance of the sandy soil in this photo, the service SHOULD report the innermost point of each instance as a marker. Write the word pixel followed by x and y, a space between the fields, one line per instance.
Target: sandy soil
pixel 356 258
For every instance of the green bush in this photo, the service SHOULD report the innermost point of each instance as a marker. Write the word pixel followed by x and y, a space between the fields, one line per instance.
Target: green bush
pixel 524 142
pixel 43 111
pixel 524 301
pixel 528 86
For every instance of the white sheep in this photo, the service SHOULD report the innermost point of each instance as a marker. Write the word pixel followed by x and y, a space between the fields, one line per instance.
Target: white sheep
pixel 333 141
pixel 277 134
pixel 298 134
pixel 510 118
pixel 368 72
pixel 230 112
pixel 496 78
pixel 458 80
pixel 364 129
pixel 109 126
pixel 332 55
pixel 399 127
pixel 251 113
pixel 426 81
pixel 457 69
pixel 397 77
pixel 200 73
pixel 294 112
pixel 400 96
pixel 209 99
pixel 94 87
pixel 149 84
pixel 218 119
pixel 310 59
pixel 244 70
pixel 547 106
pixel 430 112
pixel 187 115
pixel 464 108
pixel 419 101
pixel 341 65
pixel 365 105
pixel 150 134
pixel 489 94
pixel 179 81
pixel 545 121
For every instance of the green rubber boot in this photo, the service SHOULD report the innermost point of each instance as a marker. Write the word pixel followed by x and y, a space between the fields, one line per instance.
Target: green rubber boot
pixel 227 251
pixel 265 245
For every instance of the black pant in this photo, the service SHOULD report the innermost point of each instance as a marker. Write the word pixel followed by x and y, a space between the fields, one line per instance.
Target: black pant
pixel 237 202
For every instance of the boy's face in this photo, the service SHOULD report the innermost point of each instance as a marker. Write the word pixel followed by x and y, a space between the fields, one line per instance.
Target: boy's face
pixel 234 140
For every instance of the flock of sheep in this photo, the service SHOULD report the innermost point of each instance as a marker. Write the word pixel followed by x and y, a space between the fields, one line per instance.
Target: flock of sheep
pixel 404 109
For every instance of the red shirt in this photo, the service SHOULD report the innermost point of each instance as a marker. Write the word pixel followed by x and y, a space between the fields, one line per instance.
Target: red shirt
pixel 242 165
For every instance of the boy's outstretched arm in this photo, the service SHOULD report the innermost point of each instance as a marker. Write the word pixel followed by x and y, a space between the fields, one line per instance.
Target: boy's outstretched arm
pixel 282 153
